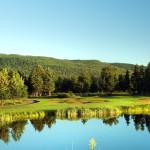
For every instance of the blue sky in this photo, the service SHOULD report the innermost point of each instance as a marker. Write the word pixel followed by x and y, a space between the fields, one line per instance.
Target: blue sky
pixel 107 30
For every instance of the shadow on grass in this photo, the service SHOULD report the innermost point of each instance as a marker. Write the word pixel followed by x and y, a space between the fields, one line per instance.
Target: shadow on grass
pixel 43 97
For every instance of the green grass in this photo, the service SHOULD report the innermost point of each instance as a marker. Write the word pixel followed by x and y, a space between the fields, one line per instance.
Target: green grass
pixel 75 113
pixel 47 103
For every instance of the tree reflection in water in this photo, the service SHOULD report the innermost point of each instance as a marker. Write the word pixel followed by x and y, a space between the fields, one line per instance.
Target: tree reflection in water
pixel 127 118
pixel 49 120
pixel 17 128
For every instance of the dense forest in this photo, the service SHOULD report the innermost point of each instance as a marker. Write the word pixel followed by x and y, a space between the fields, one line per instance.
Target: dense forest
pixel 65 68
pixel 43 80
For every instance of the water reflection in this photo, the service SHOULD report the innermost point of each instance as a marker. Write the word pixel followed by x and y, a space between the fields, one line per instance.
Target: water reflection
pixel 49 120
pixel 16 128
pixel 141 121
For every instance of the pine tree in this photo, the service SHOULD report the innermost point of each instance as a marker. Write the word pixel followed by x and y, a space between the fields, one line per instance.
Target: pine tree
pixel 58 84
pixel 96 85
pixel 84 82
pixel 109 76
pixel 36 81
pixel 120 85
pixel 4 83
pixel 48 82
pixel 142 80
pixel 147 79
pixel 41 81
pixel 127 81
pixel 16 86
pixel 135 80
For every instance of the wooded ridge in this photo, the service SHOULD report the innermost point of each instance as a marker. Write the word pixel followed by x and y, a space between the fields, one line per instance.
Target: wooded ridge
pixel 62 67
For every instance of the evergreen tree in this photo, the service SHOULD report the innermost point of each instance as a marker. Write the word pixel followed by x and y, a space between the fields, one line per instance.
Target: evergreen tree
pixel 16 86
pixel 120 85
pixel 41 81
pixel 69 84
pixel 96 85
pixel 36 81
pixel 135 80
pixel 74 80
pixel 48 82
pixel 141 81
pixel 147 79
pixel 4 83
pixel 84 82
pixel 127 81
pixel 109 76
pixel 24 78
pixel 58 84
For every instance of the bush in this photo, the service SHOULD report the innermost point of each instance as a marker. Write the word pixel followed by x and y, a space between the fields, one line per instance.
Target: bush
pixel 66 95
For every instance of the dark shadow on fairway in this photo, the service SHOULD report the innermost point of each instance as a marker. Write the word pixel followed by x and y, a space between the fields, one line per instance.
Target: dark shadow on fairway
pixel 44 97
pixel 33 101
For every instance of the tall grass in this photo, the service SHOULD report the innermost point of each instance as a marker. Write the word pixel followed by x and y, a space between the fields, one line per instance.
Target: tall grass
pixel 144 109
pixel 86 113
pixel 6 118
pixel 75 113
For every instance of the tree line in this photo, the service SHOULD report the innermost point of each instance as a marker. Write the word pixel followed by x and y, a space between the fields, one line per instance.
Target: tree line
pixel 43 81
pixel 108 81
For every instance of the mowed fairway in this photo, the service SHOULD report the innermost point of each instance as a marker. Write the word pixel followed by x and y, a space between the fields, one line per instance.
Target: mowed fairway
pixel 47 103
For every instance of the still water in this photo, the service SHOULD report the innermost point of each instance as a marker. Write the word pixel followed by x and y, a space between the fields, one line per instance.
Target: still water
pixel 127 132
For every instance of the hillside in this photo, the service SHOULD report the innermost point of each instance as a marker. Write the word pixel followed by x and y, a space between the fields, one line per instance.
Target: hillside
pixel 61 67
pixel 124 66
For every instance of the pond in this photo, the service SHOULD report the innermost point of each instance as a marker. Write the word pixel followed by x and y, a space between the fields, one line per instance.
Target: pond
pixel 52 132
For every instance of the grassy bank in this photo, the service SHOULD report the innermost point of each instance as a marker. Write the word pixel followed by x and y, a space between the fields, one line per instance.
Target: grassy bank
pixel 48 103
pixel 75 113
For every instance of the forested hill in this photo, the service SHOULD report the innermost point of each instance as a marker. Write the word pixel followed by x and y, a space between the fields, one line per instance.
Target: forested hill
pixel 61 67
pixel 124 66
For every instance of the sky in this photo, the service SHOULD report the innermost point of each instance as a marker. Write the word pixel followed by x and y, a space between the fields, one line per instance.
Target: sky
pixel 106 30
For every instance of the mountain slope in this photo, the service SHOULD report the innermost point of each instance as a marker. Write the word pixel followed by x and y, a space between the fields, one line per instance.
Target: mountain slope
pixel 61 67
pixel 124 66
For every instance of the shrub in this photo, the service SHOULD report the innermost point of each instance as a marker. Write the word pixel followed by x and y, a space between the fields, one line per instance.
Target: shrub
pixel 66 95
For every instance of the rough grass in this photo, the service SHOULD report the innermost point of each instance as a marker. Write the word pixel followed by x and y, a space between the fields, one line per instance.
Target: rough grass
pixel 75 113
pixel 48 103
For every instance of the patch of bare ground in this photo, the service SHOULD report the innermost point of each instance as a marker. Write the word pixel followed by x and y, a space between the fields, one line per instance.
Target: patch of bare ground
pixel 88 101
pixel 95 101
pixel 69 100
pixel 144 100
pixel 77 103
pixel 57 101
